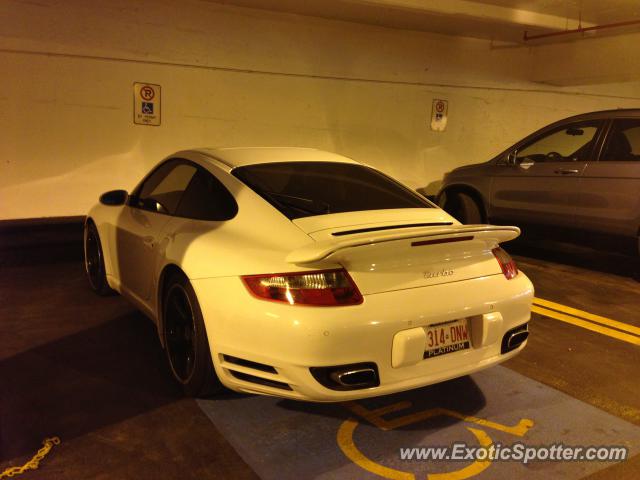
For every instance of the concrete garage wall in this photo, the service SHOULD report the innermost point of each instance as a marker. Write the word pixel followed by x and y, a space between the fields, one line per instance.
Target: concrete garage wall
pixel 233 76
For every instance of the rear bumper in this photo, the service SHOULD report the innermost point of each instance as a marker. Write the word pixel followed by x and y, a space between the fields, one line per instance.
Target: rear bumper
pixel 292 339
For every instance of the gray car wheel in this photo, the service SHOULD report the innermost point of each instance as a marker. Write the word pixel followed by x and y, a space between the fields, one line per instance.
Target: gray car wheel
pixel 462 207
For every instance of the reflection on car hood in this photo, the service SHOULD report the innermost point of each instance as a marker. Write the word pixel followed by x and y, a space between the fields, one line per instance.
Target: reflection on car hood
pixel 465 168
pixel 469 167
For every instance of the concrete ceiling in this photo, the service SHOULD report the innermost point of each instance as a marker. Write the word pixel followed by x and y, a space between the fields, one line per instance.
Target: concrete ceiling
pixel 595 11
pixel 499 20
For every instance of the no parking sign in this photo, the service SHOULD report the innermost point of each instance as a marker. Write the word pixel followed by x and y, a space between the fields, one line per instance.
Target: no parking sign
pixel 146 104
pixel 439 111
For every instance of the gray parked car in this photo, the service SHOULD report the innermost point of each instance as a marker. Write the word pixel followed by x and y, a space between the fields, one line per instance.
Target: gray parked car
pixel 580 174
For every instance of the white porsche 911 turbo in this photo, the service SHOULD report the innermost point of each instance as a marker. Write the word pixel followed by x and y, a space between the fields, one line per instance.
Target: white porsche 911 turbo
pixel 303 274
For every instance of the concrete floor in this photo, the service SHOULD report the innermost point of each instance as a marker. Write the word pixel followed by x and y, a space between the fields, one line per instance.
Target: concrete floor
pixel 91 371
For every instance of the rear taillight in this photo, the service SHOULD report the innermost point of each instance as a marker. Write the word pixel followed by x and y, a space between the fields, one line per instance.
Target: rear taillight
pixel 324 288
pixel 507 264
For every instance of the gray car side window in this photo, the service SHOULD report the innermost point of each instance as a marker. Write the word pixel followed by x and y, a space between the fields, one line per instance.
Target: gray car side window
pixel 567 143
pixel 623 142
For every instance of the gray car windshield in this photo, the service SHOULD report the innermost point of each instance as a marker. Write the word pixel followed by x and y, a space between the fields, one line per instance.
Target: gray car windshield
pixel 303 189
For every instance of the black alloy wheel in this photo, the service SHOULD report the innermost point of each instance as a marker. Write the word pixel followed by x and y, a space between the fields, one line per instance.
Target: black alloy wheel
pixel 185 339
pixel 180 333
pixel 94 261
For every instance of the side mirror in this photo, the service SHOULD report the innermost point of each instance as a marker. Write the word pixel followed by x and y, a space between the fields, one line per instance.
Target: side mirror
pixel 114 197
pixel 512 158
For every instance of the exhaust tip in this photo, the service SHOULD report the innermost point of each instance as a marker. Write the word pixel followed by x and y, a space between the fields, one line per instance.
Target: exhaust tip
pixel 514 338
pixel 361 377
pixel 347 377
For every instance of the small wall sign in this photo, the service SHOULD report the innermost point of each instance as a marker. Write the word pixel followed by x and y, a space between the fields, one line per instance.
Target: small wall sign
pixel 146 104
pixel 439 111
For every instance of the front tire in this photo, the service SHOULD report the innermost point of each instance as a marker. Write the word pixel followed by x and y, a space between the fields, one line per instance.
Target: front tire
pixel 462 207
pixel 94 261
pixel 185 339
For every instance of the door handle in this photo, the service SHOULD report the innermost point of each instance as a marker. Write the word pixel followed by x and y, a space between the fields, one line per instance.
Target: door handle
pixel 148 241
pixel 566 171
pixel 526 165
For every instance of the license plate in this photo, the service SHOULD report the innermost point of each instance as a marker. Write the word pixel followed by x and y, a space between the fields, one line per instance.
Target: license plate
pixel 447 337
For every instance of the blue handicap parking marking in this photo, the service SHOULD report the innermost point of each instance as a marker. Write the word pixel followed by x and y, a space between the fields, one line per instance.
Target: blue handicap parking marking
pixel 282 439
pixel 147 107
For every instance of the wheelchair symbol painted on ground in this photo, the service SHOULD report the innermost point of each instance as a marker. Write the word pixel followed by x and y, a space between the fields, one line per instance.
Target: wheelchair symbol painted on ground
pixel 376 418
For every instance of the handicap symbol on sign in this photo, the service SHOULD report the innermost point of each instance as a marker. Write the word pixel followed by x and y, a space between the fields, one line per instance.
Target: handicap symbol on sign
pixel 375 417
pixel 147 108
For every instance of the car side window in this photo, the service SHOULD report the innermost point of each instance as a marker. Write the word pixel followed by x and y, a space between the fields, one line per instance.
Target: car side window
pixel 623 143
pixel 567 143
pixel 206 198
pixel 161 192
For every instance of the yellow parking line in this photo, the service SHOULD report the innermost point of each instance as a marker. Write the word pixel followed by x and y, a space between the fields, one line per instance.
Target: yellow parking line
pixel 587 316
pixel 594 327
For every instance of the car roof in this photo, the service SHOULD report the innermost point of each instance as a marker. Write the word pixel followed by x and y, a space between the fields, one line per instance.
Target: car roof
pixel 234 157
pixel 614 113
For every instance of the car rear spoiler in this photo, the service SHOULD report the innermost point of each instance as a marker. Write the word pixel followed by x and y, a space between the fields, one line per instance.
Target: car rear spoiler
pixel 315 252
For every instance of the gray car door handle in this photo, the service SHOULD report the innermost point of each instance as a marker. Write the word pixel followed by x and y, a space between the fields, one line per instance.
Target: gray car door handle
pixel 566 171
pixel 526 165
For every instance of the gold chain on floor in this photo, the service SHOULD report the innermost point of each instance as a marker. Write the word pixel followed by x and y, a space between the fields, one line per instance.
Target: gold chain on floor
pixel 32 464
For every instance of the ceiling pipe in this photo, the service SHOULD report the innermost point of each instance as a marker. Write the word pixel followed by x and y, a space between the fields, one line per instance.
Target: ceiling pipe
pixel 528 37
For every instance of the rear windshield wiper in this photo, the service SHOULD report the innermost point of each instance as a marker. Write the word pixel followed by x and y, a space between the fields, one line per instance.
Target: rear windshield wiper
pixel 306 205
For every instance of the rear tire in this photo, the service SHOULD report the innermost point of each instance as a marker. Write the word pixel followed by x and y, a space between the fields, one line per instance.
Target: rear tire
pixel 94 261
pixel 185 339
pixel 636 268
pixel 462 207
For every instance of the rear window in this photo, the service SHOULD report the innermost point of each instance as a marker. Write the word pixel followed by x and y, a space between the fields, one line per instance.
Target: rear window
pixel 304 189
